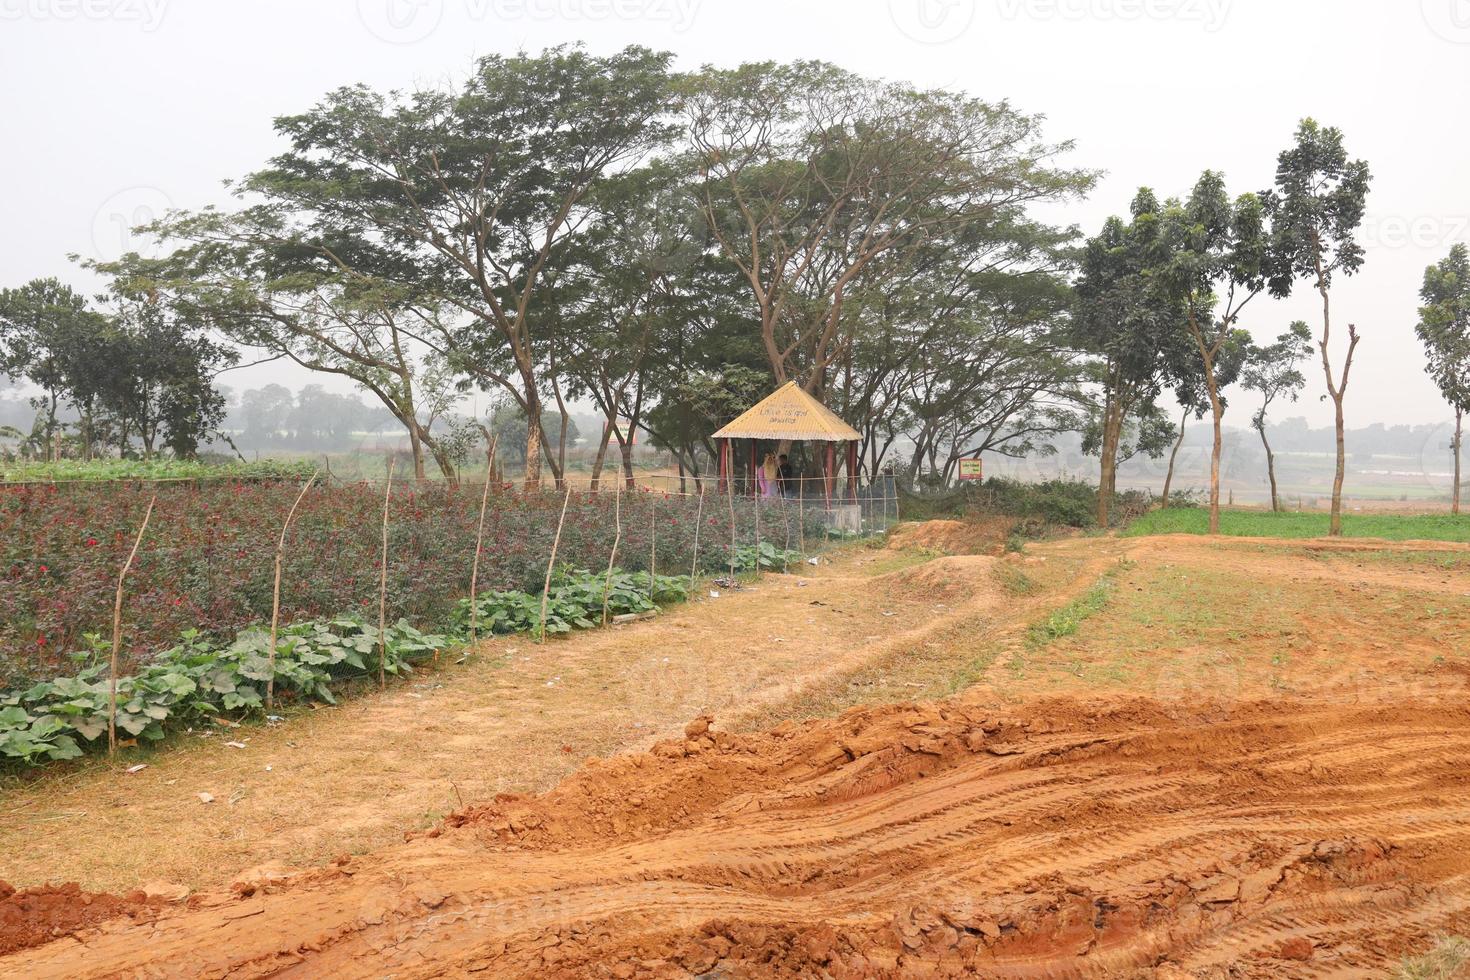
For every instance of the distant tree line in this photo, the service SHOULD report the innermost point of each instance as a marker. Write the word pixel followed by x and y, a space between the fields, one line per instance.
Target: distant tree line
pixel 668 246
pixel 137 376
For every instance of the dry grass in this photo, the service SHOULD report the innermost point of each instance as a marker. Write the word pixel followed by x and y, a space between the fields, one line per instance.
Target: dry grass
pixel 1447 960
pixel 515 717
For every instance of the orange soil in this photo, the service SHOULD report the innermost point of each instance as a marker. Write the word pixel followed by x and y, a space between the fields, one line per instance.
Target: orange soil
pixel 1066 838
pixel 953 537
pixel 1320 834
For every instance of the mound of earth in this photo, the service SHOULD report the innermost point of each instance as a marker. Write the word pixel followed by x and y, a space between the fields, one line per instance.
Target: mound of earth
pixel 974 537
pixel 33 916
pixel 947 578
pixel 1068 838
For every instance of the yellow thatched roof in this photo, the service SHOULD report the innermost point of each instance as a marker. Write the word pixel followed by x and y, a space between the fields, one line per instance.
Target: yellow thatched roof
pixel 790 413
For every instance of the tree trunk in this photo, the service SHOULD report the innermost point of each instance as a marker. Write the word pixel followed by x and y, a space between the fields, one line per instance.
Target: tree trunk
pixel 416 447
pixel 1270 470
pixel 1455 497
pixel 1169 476
pixel 1218 411
pixel 561 441
pixel 1335 527
pixel 625 447
pixel 533 443
pixel 601 457
pixel 1337 390
pixel 561 450
pixel 446 465
pixel 1108 477
pixel 53 445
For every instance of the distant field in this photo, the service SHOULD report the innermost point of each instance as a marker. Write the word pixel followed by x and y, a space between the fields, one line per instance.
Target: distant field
pixel 1290 524
pixel 74 470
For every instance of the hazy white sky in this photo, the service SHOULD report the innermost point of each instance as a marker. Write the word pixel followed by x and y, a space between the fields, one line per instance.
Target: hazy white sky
pixel 116 109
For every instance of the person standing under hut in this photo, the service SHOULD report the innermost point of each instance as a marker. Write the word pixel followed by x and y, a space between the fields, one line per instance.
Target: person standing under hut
pixel 786 476
pixel 768 477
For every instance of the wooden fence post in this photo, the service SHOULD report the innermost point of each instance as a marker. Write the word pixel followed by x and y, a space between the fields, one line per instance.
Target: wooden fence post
pixel 730 486
pixel 117 630
pixel 694 562
pixel 551 564
pixel 617 538
pixel 479 538
pixel 653 545
pixel 270 682
pixel 383 588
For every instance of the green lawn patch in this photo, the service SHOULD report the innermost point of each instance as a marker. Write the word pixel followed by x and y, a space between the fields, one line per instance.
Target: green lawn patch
pixel 1290 524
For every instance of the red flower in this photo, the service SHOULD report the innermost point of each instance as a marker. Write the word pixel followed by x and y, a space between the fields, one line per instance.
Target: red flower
pixel 44 569
pixel 91 542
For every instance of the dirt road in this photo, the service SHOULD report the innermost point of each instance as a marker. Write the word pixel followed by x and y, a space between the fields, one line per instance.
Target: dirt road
pixel 1307 818
pixel 516 717
pixel 1063 839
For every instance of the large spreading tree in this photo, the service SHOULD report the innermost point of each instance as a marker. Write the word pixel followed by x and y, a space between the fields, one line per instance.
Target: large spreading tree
pixel 815 182
pixel 455 201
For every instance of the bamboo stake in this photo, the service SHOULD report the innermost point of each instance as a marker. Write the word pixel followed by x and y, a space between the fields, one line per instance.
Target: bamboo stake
pixel 694 563
pixel 617 538
pixel 556 543
pixel 383 588
pixel 785 520
pixel 479 538
pixel 757 534
pixel 270 682
pixel 730 486
pixel 757 537
pixel 801 518
pixel 117 630
pixel 653 546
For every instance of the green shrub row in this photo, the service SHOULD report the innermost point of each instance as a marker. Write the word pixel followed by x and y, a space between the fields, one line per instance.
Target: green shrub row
pixel 66 470
pixel 765 556
pixel 199 680
pixel 575 602
pixel 196 681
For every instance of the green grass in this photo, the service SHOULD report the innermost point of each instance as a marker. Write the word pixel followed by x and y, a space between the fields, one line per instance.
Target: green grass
pixel 1066 620
pixel 154 469
pixel 1290 524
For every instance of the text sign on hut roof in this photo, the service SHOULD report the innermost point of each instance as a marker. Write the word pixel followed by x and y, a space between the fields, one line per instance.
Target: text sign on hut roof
pixel 790 413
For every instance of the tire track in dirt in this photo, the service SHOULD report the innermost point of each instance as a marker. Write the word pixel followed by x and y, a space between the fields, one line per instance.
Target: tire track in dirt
pixel 1064 838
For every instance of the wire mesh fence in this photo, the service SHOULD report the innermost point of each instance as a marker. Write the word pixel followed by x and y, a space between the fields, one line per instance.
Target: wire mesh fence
pixel 208 560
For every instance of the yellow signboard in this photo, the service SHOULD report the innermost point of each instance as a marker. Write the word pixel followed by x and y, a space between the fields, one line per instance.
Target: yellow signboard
pixel 970 469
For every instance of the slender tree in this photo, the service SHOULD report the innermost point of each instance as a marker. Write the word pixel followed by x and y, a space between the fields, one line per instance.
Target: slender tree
pixel 1316 209
pixel 1194 400
pixel 1444 329
pixel 1220 260
pixel 1273 372
pixel 1128 320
